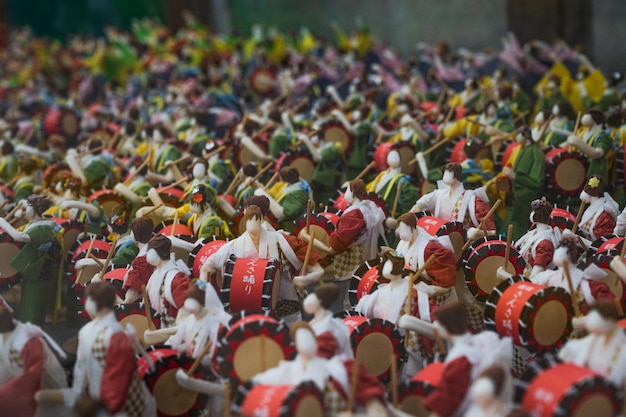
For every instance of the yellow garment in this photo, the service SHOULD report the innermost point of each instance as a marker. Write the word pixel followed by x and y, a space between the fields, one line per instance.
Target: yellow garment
pixel 457 129
pixel 276 189
pixel 595 85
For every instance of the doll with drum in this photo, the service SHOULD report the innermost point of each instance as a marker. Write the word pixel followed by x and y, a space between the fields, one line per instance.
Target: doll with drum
pixel 592 141
pixel 355 239
pixel 262 242
pixel 93 166
pixel 28 362
pixel 452 202
pixel 599 218
pixel 105 373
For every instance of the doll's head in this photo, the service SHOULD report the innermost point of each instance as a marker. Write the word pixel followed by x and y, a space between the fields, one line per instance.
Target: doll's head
pixel 99 295
pixel 159 249
pixel 602 317
pixel 303 337
pixel 391 264
pixel 357 190
pixel 594 187
pixel 407 223
pixel 6 320
pixel 541 211
pixel 567 250
pixel 323 296
pixel 201 198
pixel 254 219
pixel 195 297
pixel 452 172
pixel 452 319
pixel 290 175
pixel 488 386
pixel 38 204
pixel 141 228
pixel 261 201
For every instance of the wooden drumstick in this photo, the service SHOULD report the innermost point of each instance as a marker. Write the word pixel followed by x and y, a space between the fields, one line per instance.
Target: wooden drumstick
pixel 234 183
pixel 80 273
pixel 545 126
pixel 440 344
pixel 153 209
pixel 308 216
pixel 572 292
pixel 353 382
pixel 136 172
pixel 271 181
pixel 476 122
pixel 578 216
pixel 507 251
pixel 623 251
pixel 482 222
pixel 147 307
pixel 96 259
pixel 107 261
pixel 12 212
pixel 365 170
pixel 4 203
pixel 445 122
pixel 571 148
pixel 520 117
pixel 394 380
pixel 297 107
pixel 90 151
pixel 195 364
pixel 432 148
pixel 214 152
pixel 227 398
pixel 174 223
pixel 178 161
pixel 174 184
pixel 395 200
pixel 412 279
pixel 261 172
pixel 618 306
pixel 309 248
pixel 379 137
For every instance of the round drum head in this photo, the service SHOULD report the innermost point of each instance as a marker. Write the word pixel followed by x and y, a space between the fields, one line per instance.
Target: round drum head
pixel 414 405
pixel 486 272
pixel 172 399
pixel 337 134
pixel 139 322
pixel 549 323
pixel 374 352
pixel 309 406
pixel 597 405
pixel 255 355
pixel 570 174
pixel 8 251
pixel 69 124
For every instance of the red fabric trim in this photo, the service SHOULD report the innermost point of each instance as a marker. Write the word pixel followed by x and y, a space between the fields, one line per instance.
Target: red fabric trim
pixel 349 227
pixel 119 367
pixel 449 394
pixel 17 395
pixel 139 273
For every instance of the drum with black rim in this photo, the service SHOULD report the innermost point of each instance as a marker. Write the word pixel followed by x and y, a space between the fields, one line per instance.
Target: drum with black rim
pixel 250 284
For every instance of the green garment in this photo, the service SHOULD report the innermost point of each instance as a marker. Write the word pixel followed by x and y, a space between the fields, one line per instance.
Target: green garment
pixel 523 102
pixel 294 205
pixel 608 100
pixel 326 176
pixel 280 142
pixel 96 173
pixel 548 101
pixel 222 171
pixel 23 190
pixel 38 262
pixel 600 166
pixel 8 167
pixel 125 255
pixel 170 153
pixel 208 226
pixel 529 169
pixel 556 139
pixel 357 157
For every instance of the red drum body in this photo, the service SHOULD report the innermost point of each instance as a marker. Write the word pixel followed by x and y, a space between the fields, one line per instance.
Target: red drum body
pixel 252 344
pixel 334 131
pixel 55 173
pixel 562 217
pixel 536 317
pixel 61 122
pixel 482 261
pixel 171 399
pixel 573 391
pixel 411 395
pixel 263 81
pixel 373 341
pixel 304 400
pixel 9 249
pixel 172 197
pixel 601 252
pixel 365 280
pixel 438 227
pixel 100 250
pixel 321 223
pixel 250 284
pixel 565 173
pixel 107 199
pixel 201 253
pixel 301 160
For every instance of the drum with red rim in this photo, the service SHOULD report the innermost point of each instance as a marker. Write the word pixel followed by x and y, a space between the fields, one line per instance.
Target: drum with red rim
pixel 303 400
pixel 339 202
pixel 481 263
pixel 181 231
pixel 536 317
pixel 406 151
pixel 570 390
pixel 71 230
pixel 250 284
pixel 565 173
pixel 365 280
pixel 604 253
pixel 250 345
pixel 562 217
pixel 201 253
pixel 438 227
pixel 503 157
pixel 100 250
pixel 302 160
pixel 263 81
pixel 412 393
pixel 322 223
pixel 61 122
pixel 107 199
pixel 334 131
pixel 9 249
pixel 172 197
pixel 55 173
pixel 171 398
pixel 373 341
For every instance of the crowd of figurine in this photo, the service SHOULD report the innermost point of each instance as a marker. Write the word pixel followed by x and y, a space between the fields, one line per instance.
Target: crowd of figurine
pixel 448 225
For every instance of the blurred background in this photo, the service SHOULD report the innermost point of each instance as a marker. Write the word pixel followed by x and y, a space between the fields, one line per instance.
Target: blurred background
pixel 596 26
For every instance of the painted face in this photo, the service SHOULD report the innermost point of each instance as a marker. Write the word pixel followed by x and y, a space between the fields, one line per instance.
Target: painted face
pixel 199 171
pixel 253 225
pixel 393 159
pixel 597 324
pixel 348 196
pixel 90 307
pixel 311 304
pixel 404 232
pixel 192 305
pixel 448 177
pixel 306 345
pixel 560 256
pixel 152 257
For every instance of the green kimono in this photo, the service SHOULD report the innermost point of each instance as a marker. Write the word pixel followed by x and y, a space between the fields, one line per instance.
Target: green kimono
pixel 38 262
pixel 126 254
pixel 280 142
pixel 97 173
pixel 357 157
pixel 293 199
pixel 170 153
pixel 326 176
pixel 529 169
pixel 600 166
